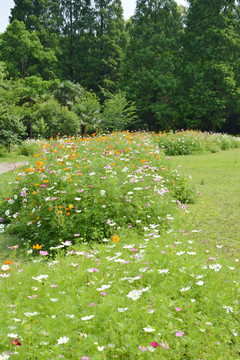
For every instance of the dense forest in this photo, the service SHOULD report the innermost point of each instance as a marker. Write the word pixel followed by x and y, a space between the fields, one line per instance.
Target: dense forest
pixel 72 66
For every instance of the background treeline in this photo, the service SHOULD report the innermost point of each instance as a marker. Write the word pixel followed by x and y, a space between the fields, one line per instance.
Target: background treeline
pixel 70 65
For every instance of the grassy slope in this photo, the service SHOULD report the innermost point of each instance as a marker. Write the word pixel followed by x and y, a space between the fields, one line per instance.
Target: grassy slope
pixel 216 212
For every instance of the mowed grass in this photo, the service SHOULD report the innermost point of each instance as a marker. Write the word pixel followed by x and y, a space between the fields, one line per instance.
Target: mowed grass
pixel 217 211
pixel 172 295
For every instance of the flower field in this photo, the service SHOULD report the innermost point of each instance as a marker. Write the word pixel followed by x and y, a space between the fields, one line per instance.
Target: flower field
pixel 116 274
pixel 88 189
pixel 195 142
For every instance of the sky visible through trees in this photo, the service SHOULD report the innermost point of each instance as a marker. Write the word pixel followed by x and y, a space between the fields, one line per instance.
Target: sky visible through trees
pixel 6 5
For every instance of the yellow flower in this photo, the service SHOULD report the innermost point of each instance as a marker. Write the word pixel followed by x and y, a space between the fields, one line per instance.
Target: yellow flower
pixel 70 206
pixel 37 247
pixel 115 239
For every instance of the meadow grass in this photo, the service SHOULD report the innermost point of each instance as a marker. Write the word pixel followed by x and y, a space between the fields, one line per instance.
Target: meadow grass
pixel 161 294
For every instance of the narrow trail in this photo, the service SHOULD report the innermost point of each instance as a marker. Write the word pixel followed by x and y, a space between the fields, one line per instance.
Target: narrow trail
pixel 5 167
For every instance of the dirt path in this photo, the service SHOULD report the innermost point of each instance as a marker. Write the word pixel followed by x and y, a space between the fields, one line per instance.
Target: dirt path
pixel 5 167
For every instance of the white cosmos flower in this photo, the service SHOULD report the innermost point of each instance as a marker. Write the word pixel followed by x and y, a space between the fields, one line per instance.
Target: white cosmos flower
pixel 71 316
pixel 5 275
pixel 63 340
pixel 180 253
pixel 85 318
pixel 5 267
pixel 4 356
pixel 104 287
pixel 12 335
pixel 149 329
pixel 200 282
pixel 100 348
pixel 16 320
pixel 215 267
pixel 135 294
pixel 121 310
pixel 102 192
pixel 163 271
pixel 54 300
pixel 229 308
pixel 186 289
pixel 40 277
pixel 31 314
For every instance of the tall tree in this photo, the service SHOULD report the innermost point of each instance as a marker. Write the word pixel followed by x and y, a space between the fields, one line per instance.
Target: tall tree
pixel 211 63
pixel 103 46
pixel 151 61
pixel 23 53
pixel 76 18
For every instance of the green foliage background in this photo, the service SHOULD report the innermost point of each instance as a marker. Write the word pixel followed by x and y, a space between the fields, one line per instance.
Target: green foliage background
pixel 167 67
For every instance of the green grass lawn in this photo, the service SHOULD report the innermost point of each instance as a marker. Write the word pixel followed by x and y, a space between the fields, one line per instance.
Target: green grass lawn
pixel 217 211
pixel 173 295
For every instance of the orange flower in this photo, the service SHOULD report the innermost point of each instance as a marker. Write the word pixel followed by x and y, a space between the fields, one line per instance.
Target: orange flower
pixel 8 262
pixel 115 239
pixel 68 213
pixel 37 247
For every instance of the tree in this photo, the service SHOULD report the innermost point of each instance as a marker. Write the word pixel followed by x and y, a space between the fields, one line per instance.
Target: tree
pixel 11 126
pixel 211 63
pixel 24 54
pixel 118 112
pixel 151 62
pixel 103 46
pixel 88 110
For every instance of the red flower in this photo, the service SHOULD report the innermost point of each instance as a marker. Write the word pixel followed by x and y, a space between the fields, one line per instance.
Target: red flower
pixel 16 342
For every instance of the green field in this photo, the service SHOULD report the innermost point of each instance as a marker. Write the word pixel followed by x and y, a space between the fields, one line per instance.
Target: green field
pixel 169 296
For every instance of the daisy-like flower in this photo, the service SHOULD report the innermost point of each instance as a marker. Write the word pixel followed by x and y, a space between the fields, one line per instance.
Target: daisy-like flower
pixel 5 267
pixel 179 333
pixel 100 348
pixel 104 287
pixel 12 335
pixel 163 271
pixel 154 344
pixel 185 289
pixel 66 243
pixel 86 318
pixel 121 310
pixel 43 253
pixel 4 356
pixel 135 294
pixel 164 346
pixel 143 349
pixel 31 314
pixel 200 283
pixel 215 267
pixel 16 342
pixel 149 329
pixel 228 308
pixel 63 340
pixel 40 277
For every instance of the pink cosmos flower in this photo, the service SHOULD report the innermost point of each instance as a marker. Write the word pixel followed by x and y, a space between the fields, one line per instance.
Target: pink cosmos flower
pixel 154 344
pixel 43 253
pixel 164 346
pixel 179 333
pixel 103 293
pixel 143 349
pixel 178 309
pixel 53 285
